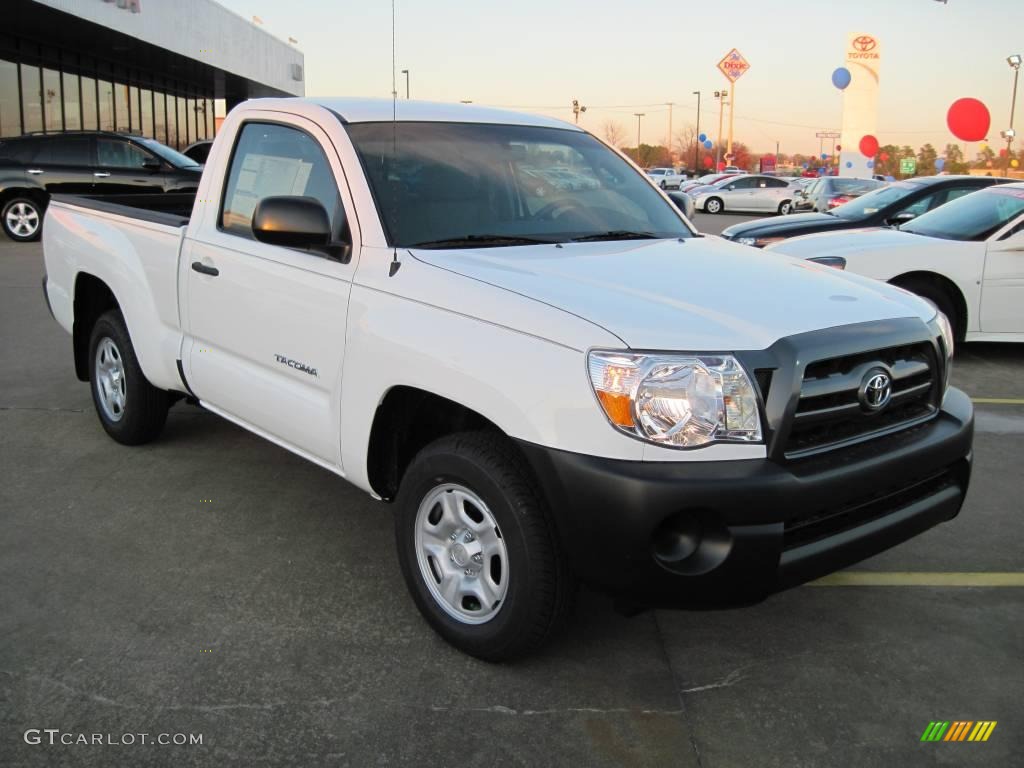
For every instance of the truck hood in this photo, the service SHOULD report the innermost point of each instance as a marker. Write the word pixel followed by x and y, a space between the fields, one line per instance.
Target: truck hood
pixel 700 294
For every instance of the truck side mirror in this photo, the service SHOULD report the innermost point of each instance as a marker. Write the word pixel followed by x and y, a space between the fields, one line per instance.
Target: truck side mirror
pixel 291 221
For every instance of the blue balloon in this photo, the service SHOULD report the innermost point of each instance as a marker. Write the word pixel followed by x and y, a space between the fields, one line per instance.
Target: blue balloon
pixel 708 144
pixel 871 163
pixel 940 163
pixel 849 164
pixel 821 171
pixel 841 78
pixel 824 156
pixel 807 165
pixel 702 138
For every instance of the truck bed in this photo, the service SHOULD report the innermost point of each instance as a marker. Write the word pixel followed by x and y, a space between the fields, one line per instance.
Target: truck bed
pixel 172 209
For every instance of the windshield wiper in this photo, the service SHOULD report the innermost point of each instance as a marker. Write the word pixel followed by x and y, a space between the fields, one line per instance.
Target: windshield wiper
pixel 471 241
pixel 616 234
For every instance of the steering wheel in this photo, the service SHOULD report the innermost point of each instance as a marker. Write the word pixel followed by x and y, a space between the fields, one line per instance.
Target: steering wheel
pixel 552 211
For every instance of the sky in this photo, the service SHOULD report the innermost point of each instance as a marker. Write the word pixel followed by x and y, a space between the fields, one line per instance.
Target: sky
pixel 622 58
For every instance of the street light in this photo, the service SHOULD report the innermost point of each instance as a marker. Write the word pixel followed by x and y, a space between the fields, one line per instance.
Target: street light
pixel 1014 61
pixel 638 115
pixel 720 95
pixel 696 147
pixel 576 109
pixel 406 73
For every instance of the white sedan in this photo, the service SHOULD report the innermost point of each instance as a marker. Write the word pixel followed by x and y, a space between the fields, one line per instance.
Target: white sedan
pixel 966 257
pixel 747 194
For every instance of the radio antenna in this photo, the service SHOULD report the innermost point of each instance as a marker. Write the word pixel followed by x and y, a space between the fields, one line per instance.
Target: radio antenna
pixel 395 263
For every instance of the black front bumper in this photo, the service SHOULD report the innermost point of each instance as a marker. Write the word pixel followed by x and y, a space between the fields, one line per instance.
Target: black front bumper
pixel 754 526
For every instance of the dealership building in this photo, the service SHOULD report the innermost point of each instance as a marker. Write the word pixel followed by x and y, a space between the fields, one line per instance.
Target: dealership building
pixel 159 68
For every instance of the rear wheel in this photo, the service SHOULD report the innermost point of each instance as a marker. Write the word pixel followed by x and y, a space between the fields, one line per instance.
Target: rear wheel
pixel 785 207
pixel 477 549
pixel 131 410
pixel 662 184
pixel 22 219
pixel 713 205
pixel 940 297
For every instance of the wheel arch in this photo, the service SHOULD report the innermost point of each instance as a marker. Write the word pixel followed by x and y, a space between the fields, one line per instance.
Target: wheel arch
pixel 407 420
pixel 942 282
pixel 92 298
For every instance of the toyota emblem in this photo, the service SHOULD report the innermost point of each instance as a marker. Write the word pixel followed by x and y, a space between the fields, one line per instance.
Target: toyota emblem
pixel 875 390
pixel 864 43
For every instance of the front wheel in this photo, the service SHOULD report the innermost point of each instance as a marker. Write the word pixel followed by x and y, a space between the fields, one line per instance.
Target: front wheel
pixel 939 296
pixel 785 207
pixel 662 185
pixel 22 219
pixel 477 550
pixel 714 205
pixel 131 410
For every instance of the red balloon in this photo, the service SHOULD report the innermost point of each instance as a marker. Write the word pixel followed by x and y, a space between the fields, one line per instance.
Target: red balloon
pixel 868 146
pixel 884 156
pixel 1002 152
pixel 968 120
pixel 721 165
pixel 838 148
pixel 708 161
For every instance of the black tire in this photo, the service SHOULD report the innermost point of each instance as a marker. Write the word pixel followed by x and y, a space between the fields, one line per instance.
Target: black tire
pixel 141 417
pixel 24 206
pixel 785 208
pixel 714 202
pixel 938 295
pixel 540 587
pixel 662 185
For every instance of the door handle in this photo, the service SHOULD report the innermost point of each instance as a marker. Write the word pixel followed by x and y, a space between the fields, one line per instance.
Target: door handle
pixel 101 174
pixel 35 171
pixel 198 266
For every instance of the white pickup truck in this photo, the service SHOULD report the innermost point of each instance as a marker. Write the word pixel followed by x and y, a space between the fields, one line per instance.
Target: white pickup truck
pixel 549 385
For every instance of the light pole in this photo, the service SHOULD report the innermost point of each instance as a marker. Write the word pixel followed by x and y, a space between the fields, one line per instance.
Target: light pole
pixel 576 109
pixel 406 73
pixel 668 144
pixel 638 115
pixel 1014 61
pixel 720 95
pixel 696 140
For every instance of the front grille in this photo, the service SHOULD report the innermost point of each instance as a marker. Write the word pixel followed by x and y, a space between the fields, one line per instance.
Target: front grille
pixel 829 413
pixel 822 524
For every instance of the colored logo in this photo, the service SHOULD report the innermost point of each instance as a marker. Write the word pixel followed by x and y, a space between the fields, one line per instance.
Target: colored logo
pixel 875 390
pixel 864 43
pixel 733 65
pixel 958 730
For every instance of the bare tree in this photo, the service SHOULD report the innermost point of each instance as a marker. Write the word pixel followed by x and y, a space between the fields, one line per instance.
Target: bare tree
pixel 614 133
pixel 684 142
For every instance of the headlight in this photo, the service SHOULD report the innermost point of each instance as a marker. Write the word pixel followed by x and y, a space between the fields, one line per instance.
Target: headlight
pixel 746 240
pixel 759 242
pixel 946 333
pixel 679 401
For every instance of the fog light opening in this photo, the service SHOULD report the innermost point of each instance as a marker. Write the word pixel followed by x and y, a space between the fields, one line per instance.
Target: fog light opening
pixel 677 538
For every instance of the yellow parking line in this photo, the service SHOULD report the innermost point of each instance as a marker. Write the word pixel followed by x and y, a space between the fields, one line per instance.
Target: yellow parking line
pixel 919 579
pixel 998 400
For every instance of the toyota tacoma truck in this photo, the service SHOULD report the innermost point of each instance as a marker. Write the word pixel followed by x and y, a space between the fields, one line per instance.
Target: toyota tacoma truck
pixel 548 386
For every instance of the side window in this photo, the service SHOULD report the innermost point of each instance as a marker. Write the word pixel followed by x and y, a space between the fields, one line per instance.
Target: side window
pixel 923 205
pixel 271 160
pixel 777 183
pixel 953 193
pixel 68 151
pixel 20 151
pixel 115 153
pixel 748 183
pixel 1016 229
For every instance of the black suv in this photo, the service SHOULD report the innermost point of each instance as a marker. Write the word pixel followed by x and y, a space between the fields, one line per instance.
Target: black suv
pixel 36 166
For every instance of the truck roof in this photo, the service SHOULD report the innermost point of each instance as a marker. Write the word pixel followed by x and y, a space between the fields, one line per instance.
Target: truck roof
pixel 381 110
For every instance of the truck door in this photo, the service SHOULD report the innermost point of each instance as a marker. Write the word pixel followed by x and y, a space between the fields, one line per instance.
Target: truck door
pixel 267 323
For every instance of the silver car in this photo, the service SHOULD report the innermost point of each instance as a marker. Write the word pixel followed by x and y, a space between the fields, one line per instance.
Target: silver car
pixel 746 194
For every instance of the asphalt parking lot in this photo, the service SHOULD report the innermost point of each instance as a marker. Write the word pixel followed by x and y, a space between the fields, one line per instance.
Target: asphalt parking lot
pixel 213 583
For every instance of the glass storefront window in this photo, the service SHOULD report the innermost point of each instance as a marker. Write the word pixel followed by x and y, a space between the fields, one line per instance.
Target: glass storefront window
pixel 53 103
pixel 190 110
pixel 183 132
pixel 72 108
pixel 106 99
pixel 146 124
pixel 31 99
pixel 136 116
pixel 172 122
pixel 159 118
pixel 10 110
pixel 210 130
pixel 89 105
pixel 122 114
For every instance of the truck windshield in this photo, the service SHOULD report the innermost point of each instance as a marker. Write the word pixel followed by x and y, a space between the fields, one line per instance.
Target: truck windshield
pixel 481 185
